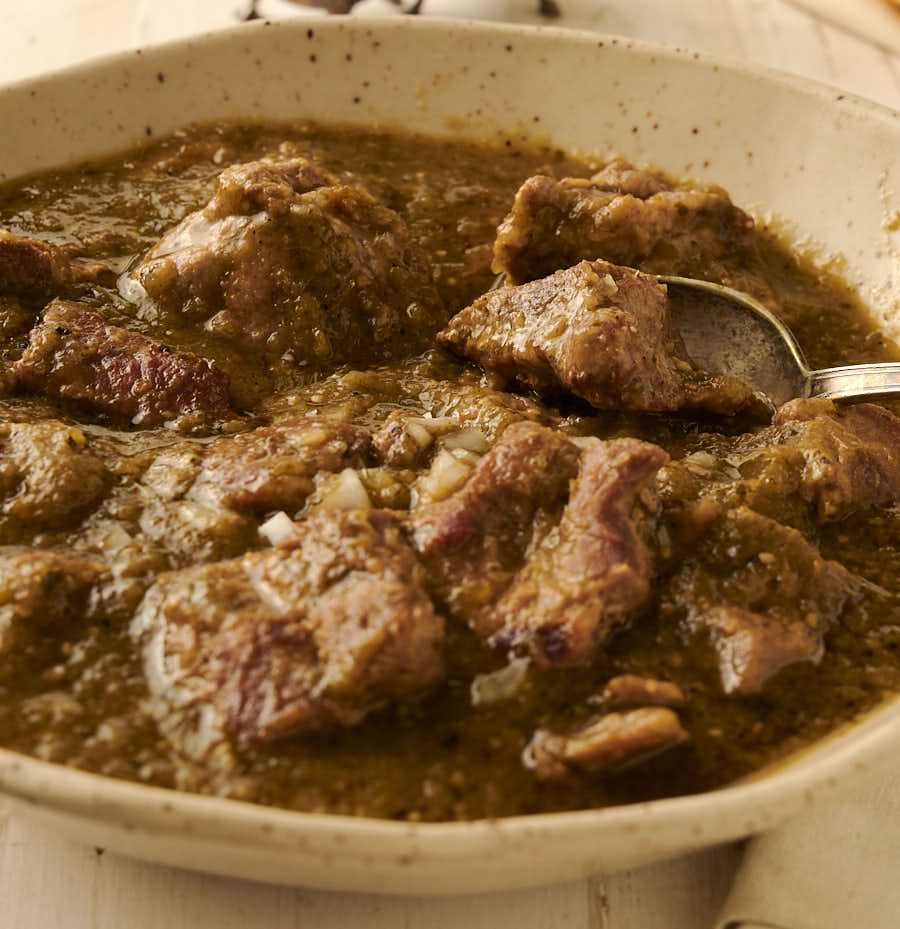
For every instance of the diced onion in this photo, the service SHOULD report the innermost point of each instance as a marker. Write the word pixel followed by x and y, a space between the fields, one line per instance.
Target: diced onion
pixel 436 425
pixel 466 457
pixel 499 685
pixel 346 492
pixel 470 439
pixel 607 285
pixel 115 537
pixel 277 528
pixel 703 459
pixel 131 289
pixel 444 476
pixel 419 434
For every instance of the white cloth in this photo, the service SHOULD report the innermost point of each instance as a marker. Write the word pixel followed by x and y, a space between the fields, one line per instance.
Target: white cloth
pixel 835 867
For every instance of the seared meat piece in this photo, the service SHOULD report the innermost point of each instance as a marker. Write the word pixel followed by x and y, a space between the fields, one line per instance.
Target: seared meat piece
pixel 763 594
pixel 620 177
pixel 473 543
pixel 532 563
pixel 173 471
pixel 753 646
pixel 851 454
pixel 287 260
pixel 316 632
pixel 490 411
pixel 273 467
pixel 625 216
pixel 403 440
pixel 14 318
pixel 819 462
pixel 197 532
pixel 614 741
pixel 633 690
pixel 47 475
pixel 75 354
pixel 598 331
pixel 32 269
pixel 594 568
pixel 29 267
pixel 42 591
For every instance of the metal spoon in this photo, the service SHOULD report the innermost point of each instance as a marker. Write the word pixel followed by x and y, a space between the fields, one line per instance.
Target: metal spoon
pixel 728 332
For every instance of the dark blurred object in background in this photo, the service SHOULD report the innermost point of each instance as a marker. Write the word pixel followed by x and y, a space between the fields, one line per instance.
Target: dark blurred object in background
pixel 547 8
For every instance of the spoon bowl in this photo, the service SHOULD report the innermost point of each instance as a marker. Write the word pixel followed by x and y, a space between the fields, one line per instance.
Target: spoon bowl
pixel 726 331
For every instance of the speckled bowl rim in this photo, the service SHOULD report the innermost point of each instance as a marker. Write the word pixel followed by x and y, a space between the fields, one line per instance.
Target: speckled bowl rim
pixel 325 850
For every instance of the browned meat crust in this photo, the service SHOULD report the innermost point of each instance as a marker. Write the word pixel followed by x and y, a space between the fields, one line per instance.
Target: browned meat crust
pixel 14 320
pixel 273 467
pixel 595 567
pixel 763 594
pixel 850 454
pixel 631 690
pixel 488 410
pixel 29 267
pixel 402 440
pixel 32 269
pixel 473 543
pixel 43 592
pixel 288 260
pixel 818 462
pixel 598 331
pixel 629 217
pixel 74 354
pixel 48 475
pixel 314 633
pixel 543 548
pixel 614 741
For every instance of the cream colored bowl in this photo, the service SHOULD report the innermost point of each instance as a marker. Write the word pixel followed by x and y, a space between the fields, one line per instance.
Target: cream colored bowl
pixel 825 165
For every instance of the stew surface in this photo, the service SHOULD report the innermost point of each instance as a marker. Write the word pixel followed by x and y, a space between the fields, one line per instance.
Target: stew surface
pixel 295 509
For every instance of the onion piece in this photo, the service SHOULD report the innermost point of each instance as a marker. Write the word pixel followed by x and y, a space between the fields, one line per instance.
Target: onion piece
pixel 277 528
pixel 469 439
pixel 418 433
pixel 345 491
pixel 499 685
pixel 446 474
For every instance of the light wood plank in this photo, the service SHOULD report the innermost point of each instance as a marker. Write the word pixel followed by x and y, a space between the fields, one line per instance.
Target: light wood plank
pixel 57 882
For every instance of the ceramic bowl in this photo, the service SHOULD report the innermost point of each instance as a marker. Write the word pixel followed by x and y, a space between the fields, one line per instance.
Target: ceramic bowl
pixel 822 166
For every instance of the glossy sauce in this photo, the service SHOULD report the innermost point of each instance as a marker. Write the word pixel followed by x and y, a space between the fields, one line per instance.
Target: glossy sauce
pixel 437 757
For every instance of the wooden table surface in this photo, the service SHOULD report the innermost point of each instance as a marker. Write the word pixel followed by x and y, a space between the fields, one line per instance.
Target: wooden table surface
pixel 50 883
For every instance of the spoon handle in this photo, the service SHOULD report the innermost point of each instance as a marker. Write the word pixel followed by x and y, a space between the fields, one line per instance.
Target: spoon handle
pixel 854 381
